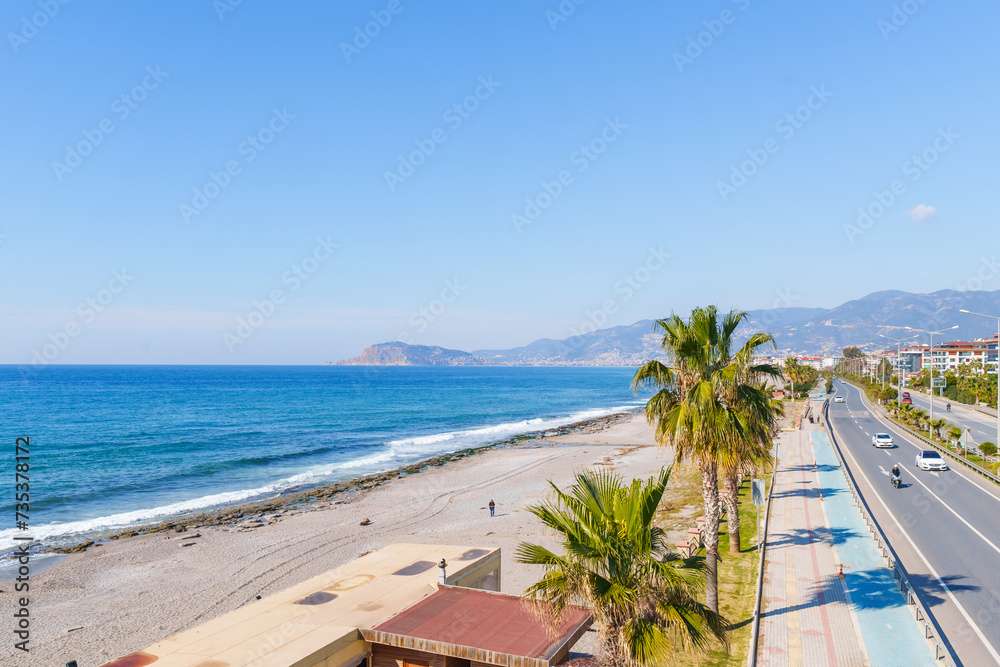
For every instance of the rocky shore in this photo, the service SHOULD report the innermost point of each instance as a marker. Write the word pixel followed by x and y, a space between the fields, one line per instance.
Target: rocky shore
pixel 252 515
pixel 120 595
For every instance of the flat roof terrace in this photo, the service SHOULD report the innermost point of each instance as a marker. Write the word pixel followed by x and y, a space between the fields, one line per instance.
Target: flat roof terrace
pixel 317 622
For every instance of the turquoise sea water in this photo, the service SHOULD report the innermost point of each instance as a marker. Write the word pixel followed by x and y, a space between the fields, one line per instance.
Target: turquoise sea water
pixel 116 446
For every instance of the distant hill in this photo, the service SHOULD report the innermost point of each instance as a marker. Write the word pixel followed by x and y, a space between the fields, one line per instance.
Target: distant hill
pixel 401 354
pixel 860 322
pixel 618 346
pixel 806 331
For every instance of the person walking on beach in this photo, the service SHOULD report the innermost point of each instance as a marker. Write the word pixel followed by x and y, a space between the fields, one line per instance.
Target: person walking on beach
pixel 493 506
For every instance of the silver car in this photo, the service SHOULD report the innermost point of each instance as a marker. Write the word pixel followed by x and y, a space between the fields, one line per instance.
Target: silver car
pixel 883 440
pixel 930 460
pixel 838 399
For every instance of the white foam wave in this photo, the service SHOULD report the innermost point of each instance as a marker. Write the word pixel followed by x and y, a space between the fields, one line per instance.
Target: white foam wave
pixel 398 452
pixel 486 434
pixel 46 532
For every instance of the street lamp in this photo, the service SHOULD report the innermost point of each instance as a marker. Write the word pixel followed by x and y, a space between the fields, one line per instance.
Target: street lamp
pixel 899 344
pixel 969 312
pixel 929 429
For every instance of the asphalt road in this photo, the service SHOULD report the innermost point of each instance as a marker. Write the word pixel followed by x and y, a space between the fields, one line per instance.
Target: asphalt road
pixel 984 427
pixel 944 526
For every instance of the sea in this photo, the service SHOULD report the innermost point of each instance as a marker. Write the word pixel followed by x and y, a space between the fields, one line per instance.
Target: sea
pixel 112 447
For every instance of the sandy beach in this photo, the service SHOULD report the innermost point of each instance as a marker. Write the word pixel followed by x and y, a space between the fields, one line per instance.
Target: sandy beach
pixel 126 594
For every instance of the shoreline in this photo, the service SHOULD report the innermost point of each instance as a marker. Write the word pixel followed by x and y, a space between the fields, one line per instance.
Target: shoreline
pixel 121 595
pixel 247 515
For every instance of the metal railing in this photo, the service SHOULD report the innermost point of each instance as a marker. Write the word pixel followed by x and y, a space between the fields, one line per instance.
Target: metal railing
pixel 925 622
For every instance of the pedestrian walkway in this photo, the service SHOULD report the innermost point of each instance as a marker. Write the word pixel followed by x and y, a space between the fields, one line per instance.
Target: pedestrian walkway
pixel 810 615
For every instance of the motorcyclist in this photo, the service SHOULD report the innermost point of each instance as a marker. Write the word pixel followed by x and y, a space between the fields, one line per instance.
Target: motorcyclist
pixel 895 473
pixel 948 406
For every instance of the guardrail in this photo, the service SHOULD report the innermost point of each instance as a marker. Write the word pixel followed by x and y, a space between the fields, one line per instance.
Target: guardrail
pixel 985 409
pixel 762 547
pixel 944 450
pixel 925 621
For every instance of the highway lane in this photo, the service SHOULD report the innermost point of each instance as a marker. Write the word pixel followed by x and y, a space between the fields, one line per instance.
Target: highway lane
pixel 945 527
pixel 984 427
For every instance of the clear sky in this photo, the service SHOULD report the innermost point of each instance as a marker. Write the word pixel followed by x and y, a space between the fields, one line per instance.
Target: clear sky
pixel 476 174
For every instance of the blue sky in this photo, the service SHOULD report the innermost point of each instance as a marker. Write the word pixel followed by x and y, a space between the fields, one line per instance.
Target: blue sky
pixel 619 100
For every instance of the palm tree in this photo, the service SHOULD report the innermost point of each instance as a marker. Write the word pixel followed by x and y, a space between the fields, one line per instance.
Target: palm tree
pixel 937 425
pixel 746 452
pixel 792 371
pixel 954 433
pixel 706 408
pixel 618 564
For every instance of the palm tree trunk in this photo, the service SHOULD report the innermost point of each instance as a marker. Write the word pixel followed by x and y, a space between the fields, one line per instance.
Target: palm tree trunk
pixel 710 531
pixel 731 496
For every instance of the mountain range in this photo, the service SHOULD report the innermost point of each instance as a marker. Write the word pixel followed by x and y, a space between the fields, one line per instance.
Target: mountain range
pixel 798 331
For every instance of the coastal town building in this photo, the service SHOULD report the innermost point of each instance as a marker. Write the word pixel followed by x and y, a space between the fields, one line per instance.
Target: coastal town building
pixel 406 605
pixel 945 357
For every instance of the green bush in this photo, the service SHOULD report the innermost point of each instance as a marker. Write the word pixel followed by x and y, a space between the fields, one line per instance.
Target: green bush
pixel 988 448
pixel 888 394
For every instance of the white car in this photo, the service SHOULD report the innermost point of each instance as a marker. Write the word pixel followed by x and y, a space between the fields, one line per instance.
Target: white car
pixel 930 460
pixel 838 399
pixel 883 440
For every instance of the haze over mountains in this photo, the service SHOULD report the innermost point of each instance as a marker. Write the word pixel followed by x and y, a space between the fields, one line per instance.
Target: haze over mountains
pixel 802 331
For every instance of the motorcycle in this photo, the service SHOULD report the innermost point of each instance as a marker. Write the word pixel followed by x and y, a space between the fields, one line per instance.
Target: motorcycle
pixel 895 479
pixel 948 407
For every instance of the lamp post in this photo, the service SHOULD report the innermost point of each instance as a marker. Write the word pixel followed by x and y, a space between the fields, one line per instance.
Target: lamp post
pixel 899 344
pixel 930 431
pixel 969 312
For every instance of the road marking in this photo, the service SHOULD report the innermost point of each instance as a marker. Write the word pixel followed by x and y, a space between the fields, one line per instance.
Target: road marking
pixel 960 517
pixel 895 428
pixel 979 633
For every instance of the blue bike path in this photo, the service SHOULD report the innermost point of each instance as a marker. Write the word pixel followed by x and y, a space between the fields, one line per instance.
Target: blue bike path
pixel 887 627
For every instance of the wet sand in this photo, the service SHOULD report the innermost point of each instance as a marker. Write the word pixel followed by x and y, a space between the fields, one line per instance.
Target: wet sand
pixel 122 595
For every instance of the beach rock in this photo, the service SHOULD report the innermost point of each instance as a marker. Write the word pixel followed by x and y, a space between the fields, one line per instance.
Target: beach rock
pixel 366 522
pixel 78 548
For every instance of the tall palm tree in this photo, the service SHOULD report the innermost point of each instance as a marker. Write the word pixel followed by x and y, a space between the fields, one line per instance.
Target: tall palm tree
pixel 704 407
pixel 750 448
pixel 617 563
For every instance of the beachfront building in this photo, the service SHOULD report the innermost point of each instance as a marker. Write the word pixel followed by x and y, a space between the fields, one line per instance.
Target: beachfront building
pixel 406 605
